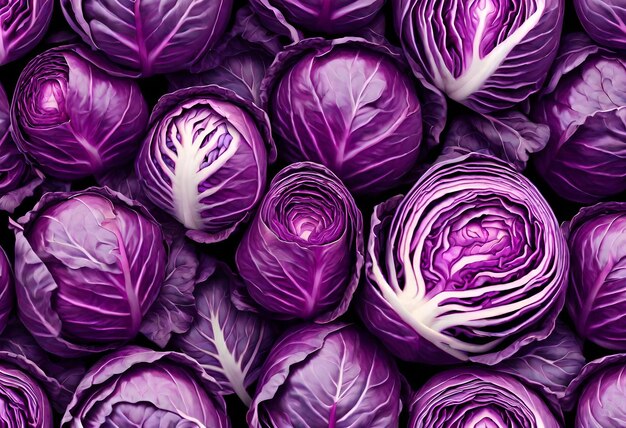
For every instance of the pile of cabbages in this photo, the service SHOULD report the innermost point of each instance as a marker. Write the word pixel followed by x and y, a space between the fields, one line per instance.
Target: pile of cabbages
pixel 313 214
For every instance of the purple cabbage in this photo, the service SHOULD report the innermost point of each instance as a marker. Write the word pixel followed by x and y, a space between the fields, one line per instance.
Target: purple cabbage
pixel 584 104
pixel 229 344
pixel 147 37
pixel 488 55
pixel 604 21
pixel 350 105
pixel 24 23
pixel 136 387
pixel 476 397
pixel 74 116
pixel 469 265
pixel 204 160
pixel 88 267
pixel 332 376
pixel 596 299
pixel 303 253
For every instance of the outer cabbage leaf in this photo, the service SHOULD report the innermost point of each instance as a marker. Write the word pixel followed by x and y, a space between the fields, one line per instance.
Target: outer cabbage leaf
pixel 149 37
pixel 596 299
pixel 125 181
pixel 584 104
pixel 488 55
pixel 597 394
pixel 604 21
pixel 57 377
pixel 204 159
pixel 350 105
pixel 24 23
pixel 548 365
pixel 291 17
pixel 18 181
pixel 333 376
pixel 469 265
pixel 88 267
pixel 173 310
pixel 508 135
pixel 137 387
pixel 238 62
pixel 302 255
pixel 74 116
pixel 476 397
pixel 229 344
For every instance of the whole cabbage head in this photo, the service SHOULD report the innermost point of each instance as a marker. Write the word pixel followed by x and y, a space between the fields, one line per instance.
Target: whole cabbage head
pixel 24 23
pixel 350 105
pixel 469 265
pixel 488 54
pixel 327 376
pixel 548 365
pixel 136 387
pixel 74 116
pixel 475 397
pixel 148 37
pixel 302 255
pixel 598 393
pixel 596 296
pixel 584 104
pixel 204 159
pixel 604 21
pixel 88 266
pixel 173 310
pixel 7 294
pixel 17 179
pixel 291 17
pixel 229 344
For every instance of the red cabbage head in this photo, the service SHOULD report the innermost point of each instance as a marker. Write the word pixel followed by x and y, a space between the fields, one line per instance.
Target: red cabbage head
pixel 596 296
pixel 24 23
pixel 352 106
pixel 486 54
pixel 302 255
pixel 584 104
pixel 204 159
pixel 476 397
pixel 149 37
pixel 470 265
pixel 89 265
pixel 73 114
pixel 136 387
